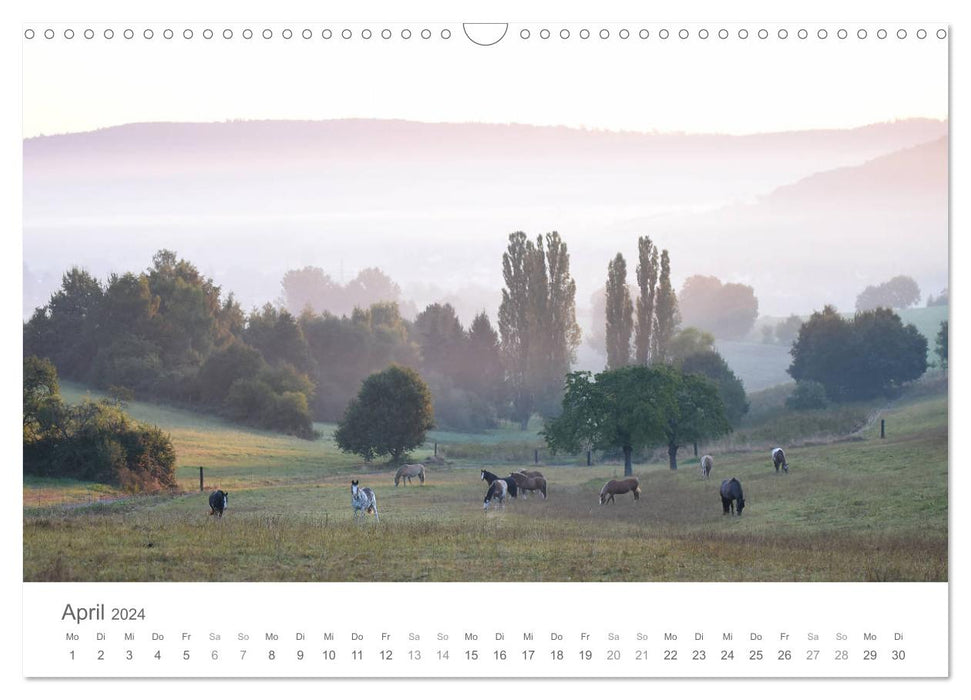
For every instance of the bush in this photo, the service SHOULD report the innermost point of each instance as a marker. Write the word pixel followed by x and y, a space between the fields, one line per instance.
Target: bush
pixel 291 414
pixel 99 442
pixel 808 395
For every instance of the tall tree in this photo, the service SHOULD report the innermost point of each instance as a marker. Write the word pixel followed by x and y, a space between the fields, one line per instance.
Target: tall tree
pixel 66 329
pixel 619 312
pixel 441 338
pixel 482 371
pixel 312 288
pixel 279 338
pixel 563 334
pixel 634 407
pixel 625 408
pixel 647 272
pixel 666 316
pixel 698 413
pixel 537 321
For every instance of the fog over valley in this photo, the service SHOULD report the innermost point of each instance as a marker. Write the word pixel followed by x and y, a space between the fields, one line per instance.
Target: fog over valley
pixel 805 218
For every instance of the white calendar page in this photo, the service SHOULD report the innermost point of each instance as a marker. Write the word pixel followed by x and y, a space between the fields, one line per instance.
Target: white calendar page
pixel 734 128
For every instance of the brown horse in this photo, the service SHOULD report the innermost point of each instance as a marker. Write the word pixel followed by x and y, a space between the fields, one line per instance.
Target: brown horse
pixel 532 474
pixel 529 483
pixel 409 470
pixel 619 486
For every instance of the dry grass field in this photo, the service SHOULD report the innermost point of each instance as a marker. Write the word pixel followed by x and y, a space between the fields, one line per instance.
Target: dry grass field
pixel 859 509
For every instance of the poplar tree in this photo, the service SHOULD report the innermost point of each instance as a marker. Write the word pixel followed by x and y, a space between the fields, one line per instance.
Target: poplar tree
pixel 647 268
pixel 537 321
pixel 563 333
pixel 515 328
pixel 666 316
pixel 619 312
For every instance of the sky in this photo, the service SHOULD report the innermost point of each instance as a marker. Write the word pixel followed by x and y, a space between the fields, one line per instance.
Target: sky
pixel 730 85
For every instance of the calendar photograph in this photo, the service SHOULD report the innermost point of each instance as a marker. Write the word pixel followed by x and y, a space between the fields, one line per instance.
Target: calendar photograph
pixel 485 303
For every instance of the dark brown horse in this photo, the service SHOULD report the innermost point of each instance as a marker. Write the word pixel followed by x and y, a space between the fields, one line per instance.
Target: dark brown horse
pixel 529 483
pixel 619 486
pixel 532 474
pixel 733 500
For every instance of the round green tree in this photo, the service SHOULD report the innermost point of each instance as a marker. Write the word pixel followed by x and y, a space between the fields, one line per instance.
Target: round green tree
pixel 389 416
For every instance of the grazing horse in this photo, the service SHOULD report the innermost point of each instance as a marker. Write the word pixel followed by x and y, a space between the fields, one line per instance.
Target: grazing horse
pixel 732 498
pixel 511 486
pixel 706 464
pixel 409 470
pixel 618 486
pixel 529 483
pixel 497 492
pixel 532 474
pixel 779 460
pixel 363 500
pixel 218 502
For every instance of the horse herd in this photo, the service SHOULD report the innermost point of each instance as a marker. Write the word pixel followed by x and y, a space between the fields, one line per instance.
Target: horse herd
pixel 733 499
pixel 518 484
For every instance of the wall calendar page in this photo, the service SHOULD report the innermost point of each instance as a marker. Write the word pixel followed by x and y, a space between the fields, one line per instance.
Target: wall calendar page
pixel 390 348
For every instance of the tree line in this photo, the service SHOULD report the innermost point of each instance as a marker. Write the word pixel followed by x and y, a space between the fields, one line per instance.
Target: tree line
pixel 169 333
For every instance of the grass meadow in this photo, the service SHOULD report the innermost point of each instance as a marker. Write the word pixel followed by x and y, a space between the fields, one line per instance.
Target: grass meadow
pixel 857 508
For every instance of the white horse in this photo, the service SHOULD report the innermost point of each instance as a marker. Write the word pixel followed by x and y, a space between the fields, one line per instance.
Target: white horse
pixel 706 464
pixel 363 500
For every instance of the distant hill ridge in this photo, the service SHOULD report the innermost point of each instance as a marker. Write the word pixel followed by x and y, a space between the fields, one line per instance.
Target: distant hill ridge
pixel 268 142
pixel 909 173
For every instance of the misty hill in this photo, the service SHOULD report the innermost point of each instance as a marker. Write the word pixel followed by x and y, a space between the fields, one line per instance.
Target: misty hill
pixel 827 236
pixel 913 174
pixel 146 148
pixel 432 204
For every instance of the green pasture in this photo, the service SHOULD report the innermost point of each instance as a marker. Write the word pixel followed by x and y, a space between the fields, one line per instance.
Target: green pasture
pixel 855 509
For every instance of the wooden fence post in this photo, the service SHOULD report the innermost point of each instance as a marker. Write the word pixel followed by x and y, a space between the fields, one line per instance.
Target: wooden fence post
pixel 588 458
pixel 883 433
pixel 535 456
pixel 201 487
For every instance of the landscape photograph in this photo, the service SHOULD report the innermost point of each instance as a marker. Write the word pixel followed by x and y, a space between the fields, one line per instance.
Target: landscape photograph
pixel 362 348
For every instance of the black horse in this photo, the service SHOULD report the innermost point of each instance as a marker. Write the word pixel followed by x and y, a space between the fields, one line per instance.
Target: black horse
pixel 732 498
pixel 218 502
pixel 510 482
